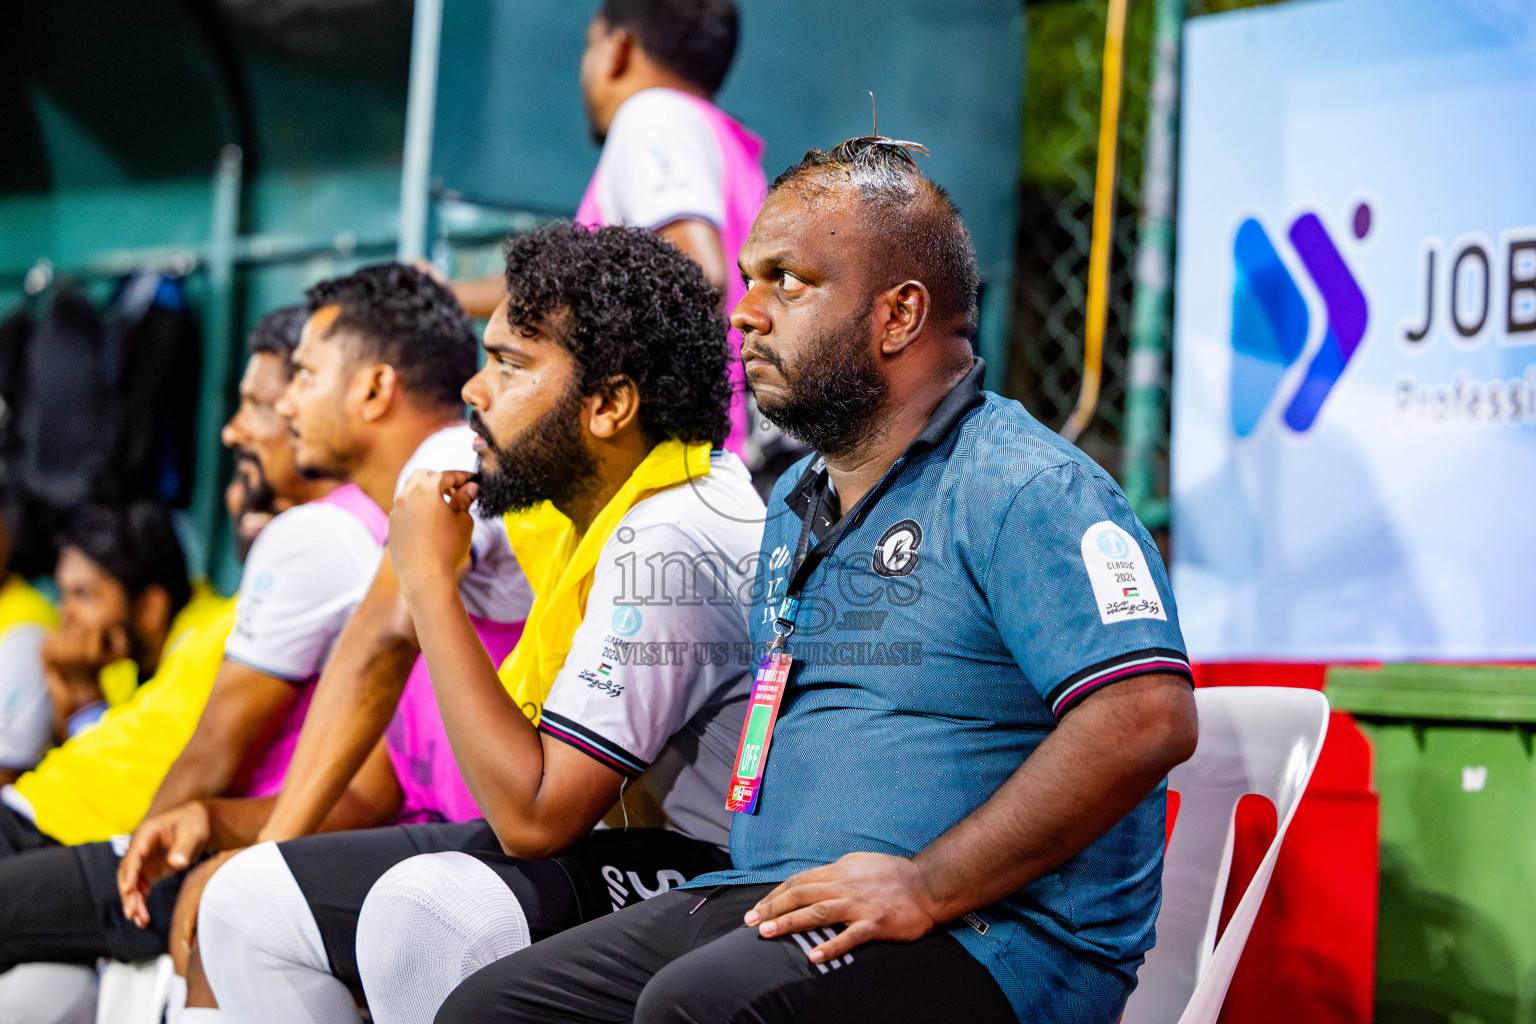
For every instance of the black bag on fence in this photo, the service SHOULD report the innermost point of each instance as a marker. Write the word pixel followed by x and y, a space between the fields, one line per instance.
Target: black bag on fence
pixel 94 411
pixel 62 405
pixel 155 349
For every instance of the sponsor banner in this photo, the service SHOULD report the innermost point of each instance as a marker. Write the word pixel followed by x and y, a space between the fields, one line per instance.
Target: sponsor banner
pixel 1354 394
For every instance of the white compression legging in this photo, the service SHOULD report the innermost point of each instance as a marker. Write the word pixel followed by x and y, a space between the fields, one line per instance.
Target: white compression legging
pixel 428 923
pixel 261 948
pixel 48 994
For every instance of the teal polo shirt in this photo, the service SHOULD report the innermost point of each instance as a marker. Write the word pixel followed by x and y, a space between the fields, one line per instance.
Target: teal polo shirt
pixel 994 578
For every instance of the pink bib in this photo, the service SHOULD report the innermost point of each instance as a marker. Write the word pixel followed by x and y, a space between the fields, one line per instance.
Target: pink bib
pixel 353 499
pixel 273 769
pixel 269 775
pixel 743 187
pixel 418 745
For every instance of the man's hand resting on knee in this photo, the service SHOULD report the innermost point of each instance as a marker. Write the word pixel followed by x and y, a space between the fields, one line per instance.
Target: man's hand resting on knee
pixel 876 895
pixel 184 918
pixel 164 844
pixel 1107 754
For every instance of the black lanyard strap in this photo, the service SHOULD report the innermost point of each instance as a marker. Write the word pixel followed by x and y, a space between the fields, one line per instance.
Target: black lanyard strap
pixel 808 558
pixel 961 399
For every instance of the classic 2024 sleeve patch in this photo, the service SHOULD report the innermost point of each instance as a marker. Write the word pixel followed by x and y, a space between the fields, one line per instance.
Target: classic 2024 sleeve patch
pixel 1122 583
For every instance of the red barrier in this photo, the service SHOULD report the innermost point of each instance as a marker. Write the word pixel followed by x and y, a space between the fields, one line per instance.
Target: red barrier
pixel 1312 953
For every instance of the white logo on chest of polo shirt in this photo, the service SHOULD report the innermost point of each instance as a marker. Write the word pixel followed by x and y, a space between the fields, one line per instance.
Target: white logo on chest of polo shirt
pixel 896 551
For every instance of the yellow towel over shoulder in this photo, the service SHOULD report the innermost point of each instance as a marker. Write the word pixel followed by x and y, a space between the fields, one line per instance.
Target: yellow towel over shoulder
pixel 560 567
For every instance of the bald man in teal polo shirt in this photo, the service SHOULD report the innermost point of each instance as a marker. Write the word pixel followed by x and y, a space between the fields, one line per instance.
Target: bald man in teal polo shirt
pixel 971 682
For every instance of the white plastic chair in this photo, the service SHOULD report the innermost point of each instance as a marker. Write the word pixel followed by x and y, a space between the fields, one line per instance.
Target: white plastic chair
pixel 1253 739
pixel 133 993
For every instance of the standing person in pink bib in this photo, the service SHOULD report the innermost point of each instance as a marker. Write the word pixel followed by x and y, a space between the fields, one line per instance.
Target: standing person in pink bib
pixel 672 161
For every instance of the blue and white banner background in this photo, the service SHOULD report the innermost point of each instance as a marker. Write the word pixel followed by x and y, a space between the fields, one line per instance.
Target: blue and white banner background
pixel 1354 398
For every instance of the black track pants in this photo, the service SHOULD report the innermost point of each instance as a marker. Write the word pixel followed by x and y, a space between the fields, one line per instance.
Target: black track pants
pixel 684 956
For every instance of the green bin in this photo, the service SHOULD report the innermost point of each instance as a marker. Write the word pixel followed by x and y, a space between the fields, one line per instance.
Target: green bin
pixel 1456 939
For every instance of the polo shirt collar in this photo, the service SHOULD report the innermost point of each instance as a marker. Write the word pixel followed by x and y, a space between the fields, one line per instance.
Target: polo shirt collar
pixel 962 398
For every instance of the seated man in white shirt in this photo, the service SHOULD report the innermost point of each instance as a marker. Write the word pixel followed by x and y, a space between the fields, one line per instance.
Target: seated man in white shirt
pixel 375 397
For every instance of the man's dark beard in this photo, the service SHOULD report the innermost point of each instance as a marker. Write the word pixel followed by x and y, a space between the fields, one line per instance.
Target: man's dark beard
pixel 547 462
pixel 835 389
pixel 259 498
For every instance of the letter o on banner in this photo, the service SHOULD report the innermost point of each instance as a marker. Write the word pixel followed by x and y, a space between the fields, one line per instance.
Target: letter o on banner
pixel 1464 329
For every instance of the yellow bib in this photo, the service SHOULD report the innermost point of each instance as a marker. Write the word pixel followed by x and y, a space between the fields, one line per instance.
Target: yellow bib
pixel 560 567
pixel 120 679
pixel 100 783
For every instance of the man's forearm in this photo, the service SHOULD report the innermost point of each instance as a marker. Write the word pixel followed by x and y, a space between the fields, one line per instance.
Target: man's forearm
pixel 498 750
pixel 371 799
pixel 244 712
pixel 480 296
pixel 70 691
pixel 353 704
pixel 236 822
pixel 199 773
pixel 233 822
pixel 700 240
pixel 1099 763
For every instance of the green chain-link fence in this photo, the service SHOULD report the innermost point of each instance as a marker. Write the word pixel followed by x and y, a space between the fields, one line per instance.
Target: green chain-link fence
pixel 1061 111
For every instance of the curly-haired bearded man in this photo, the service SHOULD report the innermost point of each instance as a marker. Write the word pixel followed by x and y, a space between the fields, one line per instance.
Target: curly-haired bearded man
pixel 600 410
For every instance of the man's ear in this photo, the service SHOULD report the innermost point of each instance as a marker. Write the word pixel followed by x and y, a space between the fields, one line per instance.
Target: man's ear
pixel 380 386
pixel 621 51
pixel 901 313
pixel 613 408
pixel 151 612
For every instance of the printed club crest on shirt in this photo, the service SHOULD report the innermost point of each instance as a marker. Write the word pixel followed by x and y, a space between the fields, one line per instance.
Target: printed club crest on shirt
pixel 896 551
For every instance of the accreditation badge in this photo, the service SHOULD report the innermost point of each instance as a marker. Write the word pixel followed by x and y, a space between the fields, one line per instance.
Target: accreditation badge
pixel 768 686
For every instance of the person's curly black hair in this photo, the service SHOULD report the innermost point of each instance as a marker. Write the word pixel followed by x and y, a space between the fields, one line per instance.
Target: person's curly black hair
pixel 403 317
pixel 626 302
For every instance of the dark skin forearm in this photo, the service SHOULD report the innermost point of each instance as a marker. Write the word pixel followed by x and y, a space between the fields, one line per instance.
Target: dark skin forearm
pixel 234 822
pixel 73 657
pixel 372 799
pixel 498 749
pixel 1099 763
pixel 70 691
pixel 699 239
pixel 480 296
pixel 173 841
pixel 200 772
pixel 1107 754
pixel 538 794
pixel 353 703
pixel 244 712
